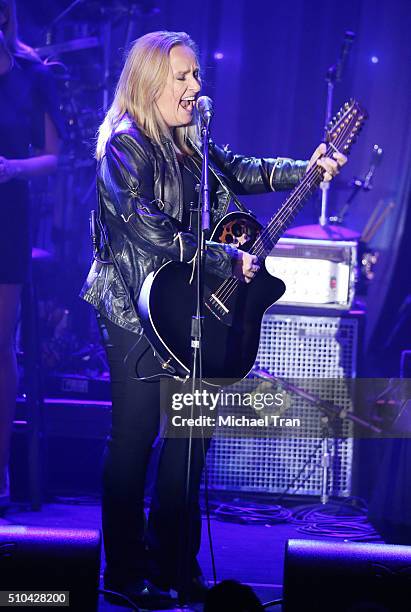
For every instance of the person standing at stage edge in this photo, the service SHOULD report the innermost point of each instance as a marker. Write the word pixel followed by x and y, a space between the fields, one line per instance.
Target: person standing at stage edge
pixel 30 125
pixel 146 179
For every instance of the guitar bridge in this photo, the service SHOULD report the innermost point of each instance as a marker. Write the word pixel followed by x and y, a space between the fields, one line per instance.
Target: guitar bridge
pixel 218 309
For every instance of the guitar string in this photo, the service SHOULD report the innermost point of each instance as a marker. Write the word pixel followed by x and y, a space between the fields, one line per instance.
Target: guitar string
pixel 229 285
pixel 227 288
pixel 347 127
pixel 277 222
pixel 223 292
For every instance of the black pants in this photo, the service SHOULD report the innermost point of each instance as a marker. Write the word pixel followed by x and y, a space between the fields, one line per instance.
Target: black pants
pixel 134 550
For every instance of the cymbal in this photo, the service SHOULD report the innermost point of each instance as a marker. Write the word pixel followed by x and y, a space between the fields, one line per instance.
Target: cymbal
pixel 319 232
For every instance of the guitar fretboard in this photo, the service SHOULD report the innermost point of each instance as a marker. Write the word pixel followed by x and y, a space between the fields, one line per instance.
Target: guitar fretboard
pixel 288 211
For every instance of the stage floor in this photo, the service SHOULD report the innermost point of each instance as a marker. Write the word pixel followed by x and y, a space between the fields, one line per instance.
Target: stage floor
pixel 253 554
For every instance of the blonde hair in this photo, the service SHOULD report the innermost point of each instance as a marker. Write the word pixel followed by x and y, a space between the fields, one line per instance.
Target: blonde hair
pixel 141 82
pixel 10 31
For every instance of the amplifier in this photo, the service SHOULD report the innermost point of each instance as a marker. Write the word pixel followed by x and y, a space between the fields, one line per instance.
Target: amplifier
pixel 310 349
pixel 317 273
pixel 72 444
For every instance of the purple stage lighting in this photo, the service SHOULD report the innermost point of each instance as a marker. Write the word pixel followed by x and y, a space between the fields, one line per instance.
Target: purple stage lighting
pixel 374 59
pixel 218 55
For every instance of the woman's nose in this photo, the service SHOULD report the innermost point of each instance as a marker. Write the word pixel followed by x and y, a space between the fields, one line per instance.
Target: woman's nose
pixel 195 85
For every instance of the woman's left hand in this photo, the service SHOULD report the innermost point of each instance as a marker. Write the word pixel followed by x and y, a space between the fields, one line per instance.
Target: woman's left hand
pixel 330 165
pixel 7 169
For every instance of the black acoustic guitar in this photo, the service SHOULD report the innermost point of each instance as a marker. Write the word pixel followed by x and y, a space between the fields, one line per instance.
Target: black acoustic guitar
pixel 233 310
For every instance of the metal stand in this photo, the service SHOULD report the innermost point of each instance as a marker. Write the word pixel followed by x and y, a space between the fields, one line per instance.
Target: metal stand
pixel 203 225
pixel 331 412
pixel 334 73
pixel 326 460
pixel 324 186
pixel 360 184
pixel 33 391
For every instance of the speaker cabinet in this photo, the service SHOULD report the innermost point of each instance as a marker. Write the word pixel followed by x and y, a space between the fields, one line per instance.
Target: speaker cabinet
pixel 308 349
pixel 346 577
pixel 50 559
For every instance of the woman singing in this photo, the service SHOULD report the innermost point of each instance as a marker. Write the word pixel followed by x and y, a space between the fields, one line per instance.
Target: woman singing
pixel 147 176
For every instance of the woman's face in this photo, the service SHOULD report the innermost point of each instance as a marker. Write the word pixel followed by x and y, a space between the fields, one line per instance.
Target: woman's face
pixel 177 100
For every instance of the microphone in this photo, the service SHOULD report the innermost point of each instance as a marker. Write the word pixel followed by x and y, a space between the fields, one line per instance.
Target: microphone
pixel 345 49
pixel 205 108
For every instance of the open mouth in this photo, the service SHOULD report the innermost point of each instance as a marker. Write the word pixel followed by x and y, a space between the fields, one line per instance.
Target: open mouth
pixel 188 103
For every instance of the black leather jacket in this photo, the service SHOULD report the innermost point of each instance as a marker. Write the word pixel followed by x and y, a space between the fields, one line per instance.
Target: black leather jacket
pixel 141 206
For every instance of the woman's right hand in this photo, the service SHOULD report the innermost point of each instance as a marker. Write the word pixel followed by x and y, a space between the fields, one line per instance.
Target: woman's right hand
pixel 245 267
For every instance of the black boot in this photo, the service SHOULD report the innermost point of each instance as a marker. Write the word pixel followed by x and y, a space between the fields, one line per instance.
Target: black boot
pixel 142 593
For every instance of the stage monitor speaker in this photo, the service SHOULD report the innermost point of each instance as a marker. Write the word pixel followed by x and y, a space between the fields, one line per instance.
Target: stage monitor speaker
pixel 50 559
pixel 346 577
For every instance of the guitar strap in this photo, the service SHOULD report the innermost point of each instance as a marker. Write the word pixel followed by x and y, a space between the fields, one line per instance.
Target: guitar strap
pixel 222 182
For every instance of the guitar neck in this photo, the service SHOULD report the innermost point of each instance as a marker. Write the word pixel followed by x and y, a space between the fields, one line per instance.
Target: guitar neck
pixel 340 136
pixel 286 214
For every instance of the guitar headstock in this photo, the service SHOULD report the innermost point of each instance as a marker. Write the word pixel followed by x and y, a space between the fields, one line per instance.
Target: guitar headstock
pixel 345 126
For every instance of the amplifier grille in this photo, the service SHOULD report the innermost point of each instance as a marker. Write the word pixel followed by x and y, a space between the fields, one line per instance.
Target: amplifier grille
pixel 309 348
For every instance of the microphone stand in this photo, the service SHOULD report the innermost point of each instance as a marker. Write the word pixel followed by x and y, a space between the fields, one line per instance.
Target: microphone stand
pixel 360 184
pixel 333 76
pixel 325 186
pixel 203 226
pixel 330 414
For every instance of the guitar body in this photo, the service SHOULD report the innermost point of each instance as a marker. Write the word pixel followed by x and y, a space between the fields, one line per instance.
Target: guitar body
pixel 230 343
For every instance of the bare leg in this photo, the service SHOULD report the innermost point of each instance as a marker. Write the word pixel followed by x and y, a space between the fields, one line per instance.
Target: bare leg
pixel 9 304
